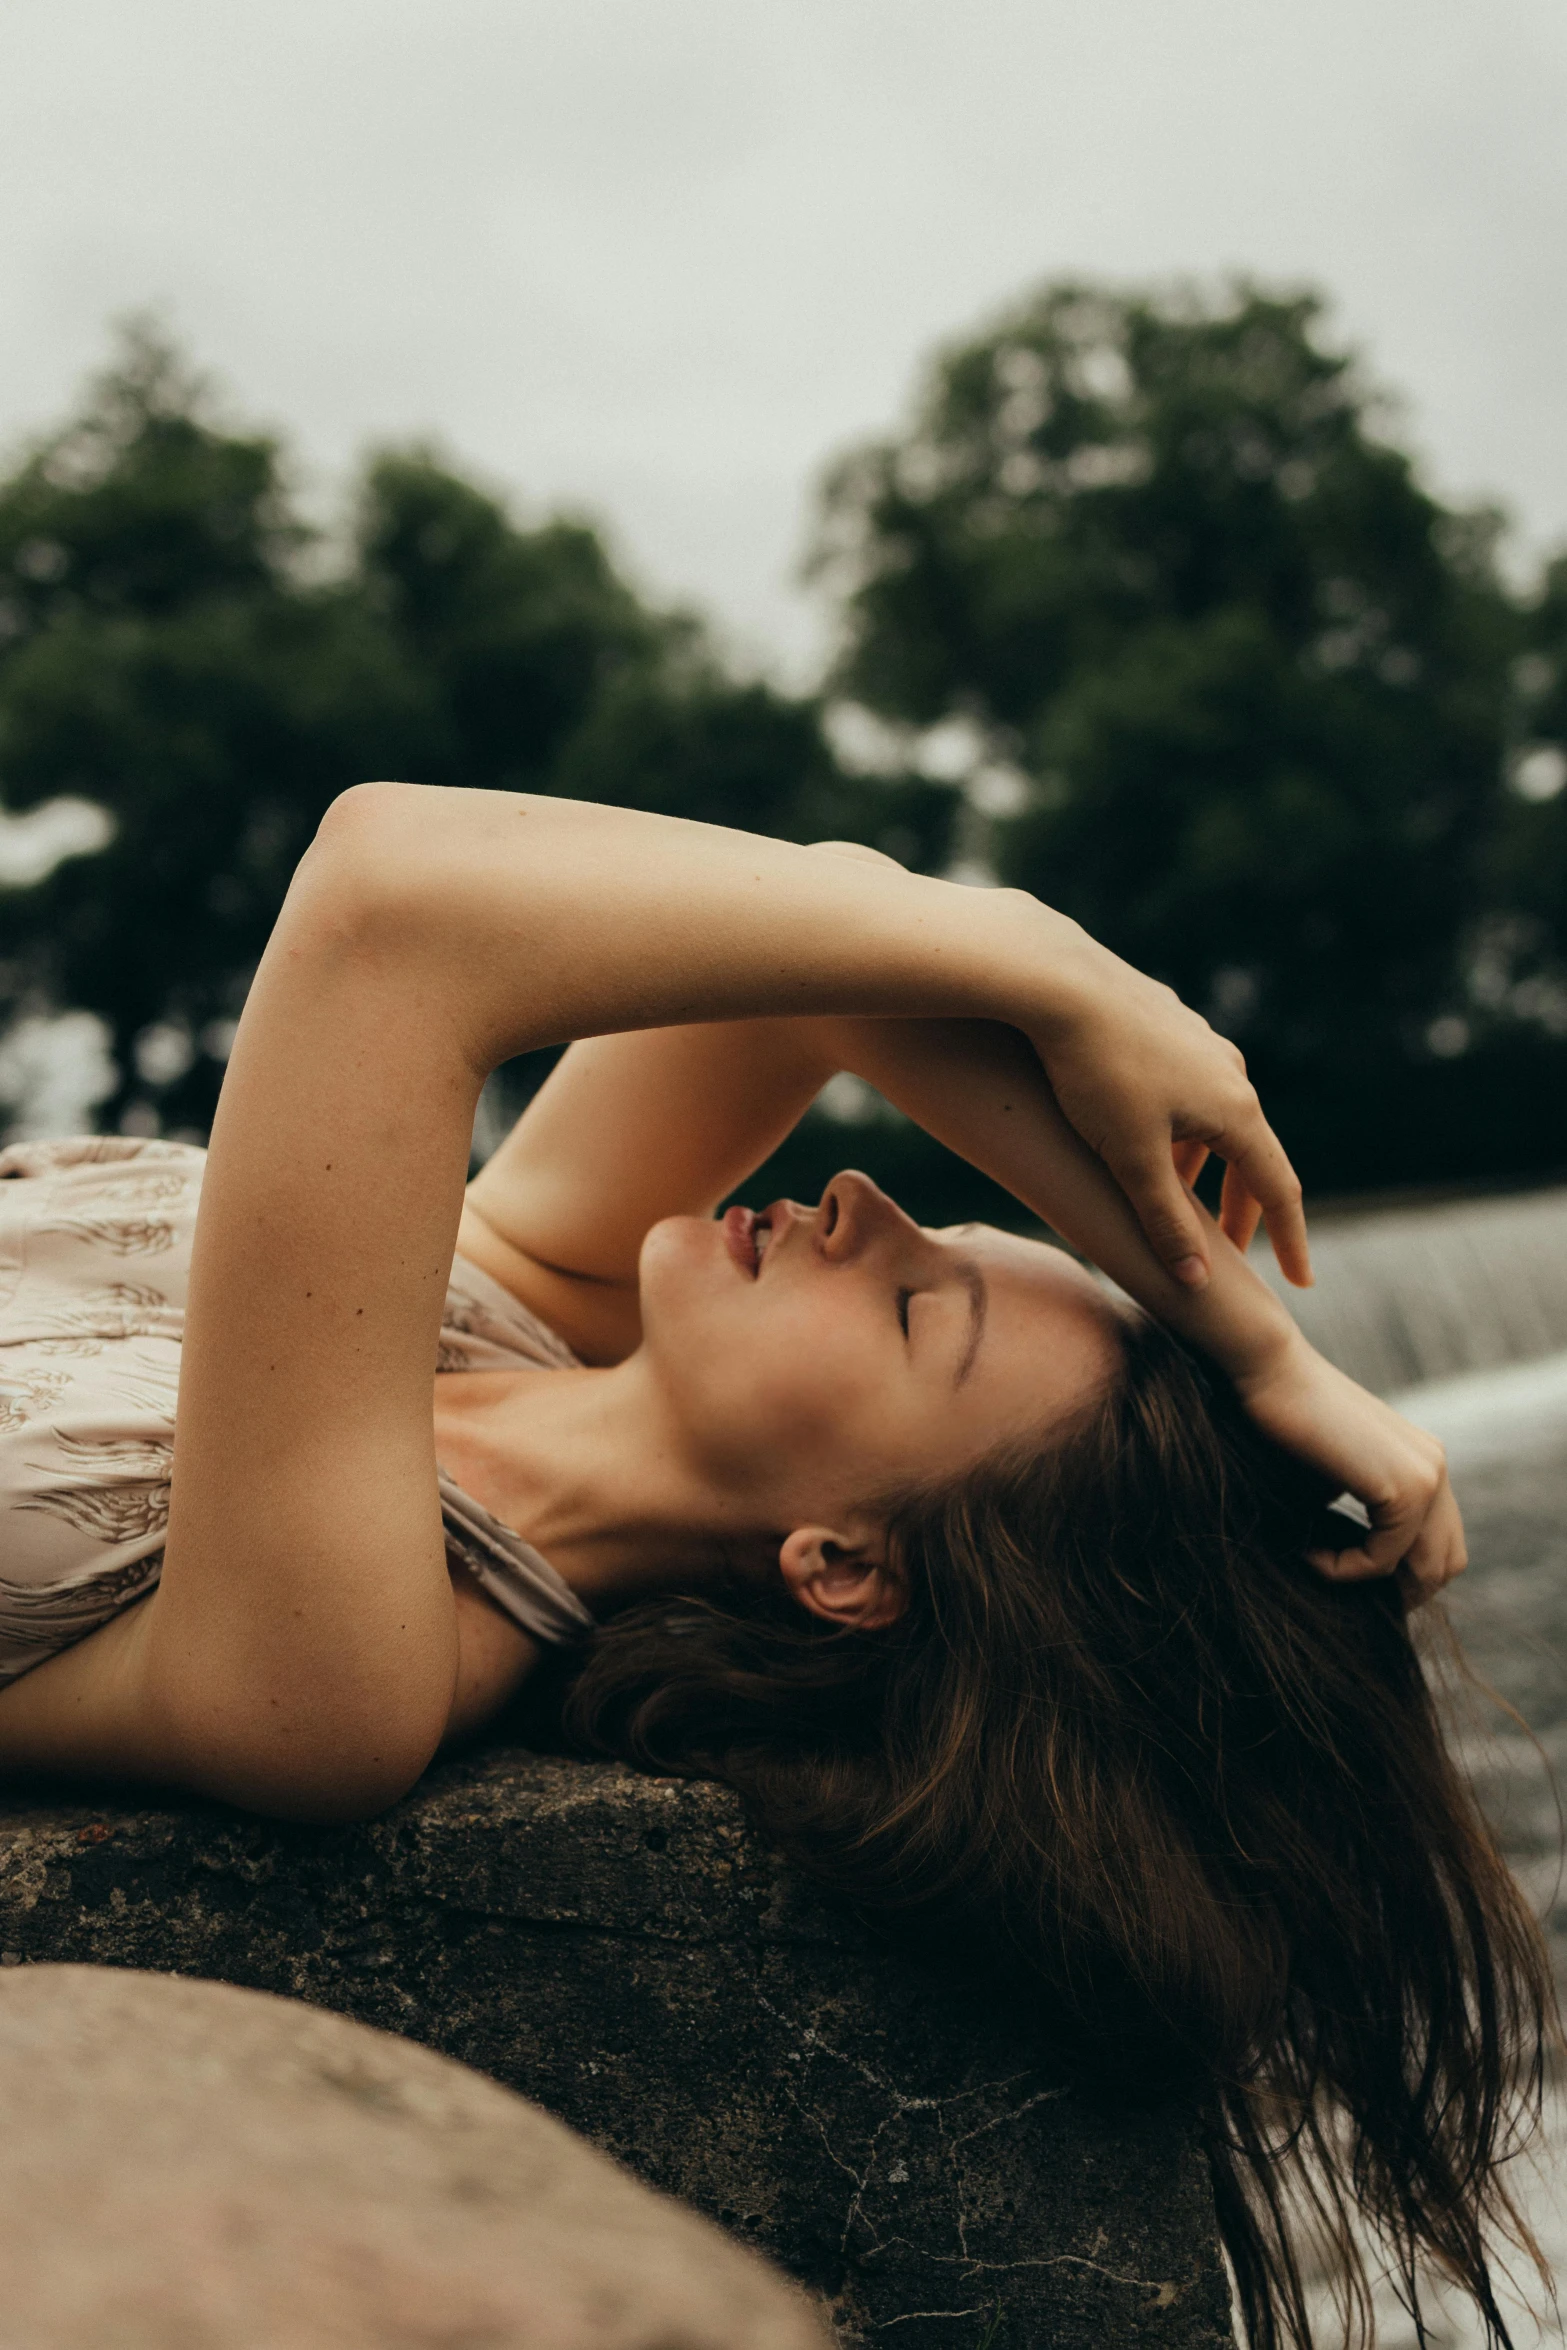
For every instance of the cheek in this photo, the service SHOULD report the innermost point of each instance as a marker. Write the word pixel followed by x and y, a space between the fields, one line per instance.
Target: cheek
pixel 815 1399
pixel 787 1377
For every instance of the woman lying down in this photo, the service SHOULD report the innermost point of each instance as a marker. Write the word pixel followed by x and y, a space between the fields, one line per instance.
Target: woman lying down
pixel 1003 1604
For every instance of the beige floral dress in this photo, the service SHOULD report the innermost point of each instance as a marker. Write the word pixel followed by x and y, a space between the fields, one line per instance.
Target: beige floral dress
pixel 95 1238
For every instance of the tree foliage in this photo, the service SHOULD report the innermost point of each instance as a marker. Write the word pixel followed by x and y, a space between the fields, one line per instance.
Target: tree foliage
pixel 1261 681
pixel 1271 719
pixel 1523 963
pixel 175 647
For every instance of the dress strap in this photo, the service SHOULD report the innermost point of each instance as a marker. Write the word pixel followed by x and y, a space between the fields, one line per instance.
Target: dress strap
pixel 483 1325
pixel 516 1576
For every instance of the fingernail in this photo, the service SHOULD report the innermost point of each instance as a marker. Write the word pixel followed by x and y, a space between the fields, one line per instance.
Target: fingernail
pixel 1191 1273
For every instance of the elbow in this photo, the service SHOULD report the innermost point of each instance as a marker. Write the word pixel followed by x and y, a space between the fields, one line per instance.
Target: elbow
pixel 375 900
pixel 363 817
pixel 365 855
pixel 324 1789
pixel 344 1802
pixel 327 1737
pixel 400 882
pixel 301 1764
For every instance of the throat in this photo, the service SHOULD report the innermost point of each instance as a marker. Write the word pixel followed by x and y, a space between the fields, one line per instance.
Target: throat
pixel 471 1442
pixel 562 1458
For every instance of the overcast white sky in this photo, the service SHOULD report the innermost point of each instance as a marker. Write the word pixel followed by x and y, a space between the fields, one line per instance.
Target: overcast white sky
pixel 661 258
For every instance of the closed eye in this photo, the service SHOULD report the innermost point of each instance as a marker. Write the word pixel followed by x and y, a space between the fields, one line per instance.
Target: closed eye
pixel 904 1296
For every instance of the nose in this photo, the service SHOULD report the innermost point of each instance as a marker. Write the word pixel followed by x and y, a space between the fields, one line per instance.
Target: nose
pixel 853 1211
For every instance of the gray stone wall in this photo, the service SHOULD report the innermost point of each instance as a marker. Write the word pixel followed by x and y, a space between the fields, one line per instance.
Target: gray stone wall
pixel 624 1951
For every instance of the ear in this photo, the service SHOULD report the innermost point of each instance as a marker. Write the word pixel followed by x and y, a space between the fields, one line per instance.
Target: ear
pixel 846 1579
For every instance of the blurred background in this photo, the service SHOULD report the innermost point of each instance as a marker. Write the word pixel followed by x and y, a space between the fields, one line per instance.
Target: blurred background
pixel 1111 450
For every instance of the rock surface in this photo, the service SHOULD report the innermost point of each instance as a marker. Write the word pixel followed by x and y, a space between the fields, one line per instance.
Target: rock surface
pixel 623 1950
pixel 185 2164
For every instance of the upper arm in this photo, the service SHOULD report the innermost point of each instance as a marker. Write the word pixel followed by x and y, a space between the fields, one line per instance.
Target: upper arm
pixel 104 1708
pixel 300 1652
pixel 94 1711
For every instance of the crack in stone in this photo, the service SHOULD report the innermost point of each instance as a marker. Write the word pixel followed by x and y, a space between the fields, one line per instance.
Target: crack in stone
pixel 857 2199
pixel 885 2324
pixel 811 2038
pixel 998 2120
pixel 1040 2097
pixel 1165 2292
pixel 809 2114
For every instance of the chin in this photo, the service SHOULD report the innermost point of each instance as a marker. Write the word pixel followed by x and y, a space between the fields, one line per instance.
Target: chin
pixel 684 1242
pixel 682 1261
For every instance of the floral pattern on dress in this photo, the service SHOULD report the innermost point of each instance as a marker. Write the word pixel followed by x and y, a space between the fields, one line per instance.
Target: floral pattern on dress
pixel 25 1393
pixel 127 1236
pixel 111 1514
pixel 89 1379
pixel 116 1309
pixel 151 1387
pixel 121 1488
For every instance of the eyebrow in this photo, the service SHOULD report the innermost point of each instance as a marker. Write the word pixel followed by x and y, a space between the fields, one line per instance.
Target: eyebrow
pixel 978 1306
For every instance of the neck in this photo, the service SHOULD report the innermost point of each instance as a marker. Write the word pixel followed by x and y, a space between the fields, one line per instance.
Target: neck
pixel 584 1465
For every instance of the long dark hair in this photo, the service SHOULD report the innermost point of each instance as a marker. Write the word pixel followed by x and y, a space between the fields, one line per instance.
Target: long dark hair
pixel 1199 1792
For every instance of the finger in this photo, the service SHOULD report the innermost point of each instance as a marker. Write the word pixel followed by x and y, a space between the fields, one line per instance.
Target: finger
pixel 1424 1504
pixel 1239 1213
pixel 1167 1214
pixel 1419 1522
pixel 1439 1551
pixel 1263 1165
pixel 1348 1566
pixel 1189 1159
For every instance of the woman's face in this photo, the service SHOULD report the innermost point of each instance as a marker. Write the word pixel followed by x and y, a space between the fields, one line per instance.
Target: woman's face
pixel 815 1357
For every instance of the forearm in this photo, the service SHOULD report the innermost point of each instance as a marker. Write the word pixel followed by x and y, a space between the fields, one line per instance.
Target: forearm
pixel 548 920
pixel 978 1087
pixel 631 1128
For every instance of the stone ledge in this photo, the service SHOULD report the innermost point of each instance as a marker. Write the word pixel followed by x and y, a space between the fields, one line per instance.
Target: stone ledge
pixel 624 1950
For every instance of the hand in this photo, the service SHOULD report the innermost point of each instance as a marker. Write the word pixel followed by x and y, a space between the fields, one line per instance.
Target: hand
pixel 1361 1446
pixel 1152 1089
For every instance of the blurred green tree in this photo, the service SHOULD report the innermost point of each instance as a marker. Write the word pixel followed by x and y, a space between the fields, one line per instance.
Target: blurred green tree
pixel 163 654
pixel 1159 555
pixel 1522 962
pixel 1208 667
pixel 513 634
pixel 176 647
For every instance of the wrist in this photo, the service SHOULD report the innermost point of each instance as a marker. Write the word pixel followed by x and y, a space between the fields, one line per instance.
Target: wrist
pixel 1274 1348
pixel 1030 966
pixel 1070 973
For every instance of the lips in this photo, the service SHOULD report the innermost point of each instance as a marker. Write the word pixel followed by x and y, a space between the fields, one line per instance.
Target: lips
pixel 740 1239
